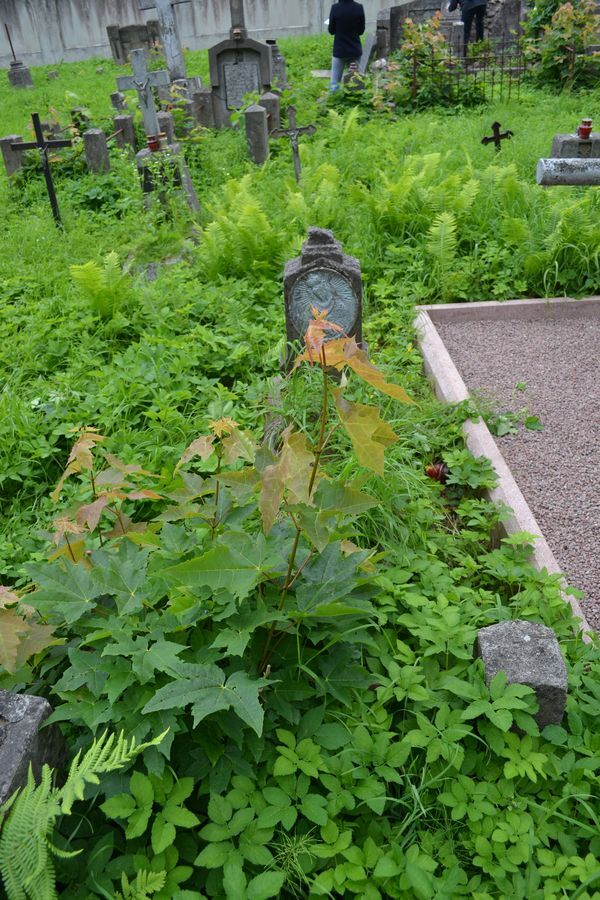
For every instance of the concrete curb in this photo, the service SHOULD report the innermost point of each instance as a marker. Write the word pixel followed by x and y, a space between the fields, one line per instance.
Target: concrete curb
pixel 450 388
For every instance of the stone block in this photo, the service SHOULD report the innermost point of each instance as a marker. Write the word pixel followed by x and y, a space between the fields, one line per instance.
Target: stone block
pixel 528 653
pixel 570 146
pixel 166 125
pixel 96 150
pixel 272 104
pixel 257 133
pixel 125 131
pixel 13 159
pixel 202 106
pixel 19 75
pixel 23 744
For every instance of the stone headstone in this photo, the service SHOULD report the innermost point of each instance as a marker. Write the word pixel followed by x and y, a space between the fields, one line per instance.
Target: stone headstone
pixel 96 150
pixel 325 278
pixel 368 50
pixel 174 174
pixel 118 101
pixel 575 171
pixel 169 36
pixel 13 160
pixel 202 107
pixel 570 146
pixel 528 653
pixel 19 75
pixel 278 65
pixel 124 131
pixel 166 125
pixel 124 39
pixel 257 133
pixel 238 66
pixel 272 104
pixel 22 743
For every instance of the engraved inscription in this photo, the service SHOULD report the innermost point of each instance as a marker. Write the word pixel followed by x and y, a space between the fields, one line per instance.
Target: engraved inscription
pixel 326 290
pixel 240 78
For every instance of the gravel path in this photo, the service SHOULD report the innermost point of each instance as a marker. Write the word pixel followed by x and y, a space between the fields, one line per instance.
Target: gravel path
pixel 557 469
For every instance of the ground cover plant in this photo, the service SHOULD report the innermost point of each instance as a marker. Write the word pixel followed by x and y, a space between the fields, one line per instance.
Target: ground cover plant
pixel 288 632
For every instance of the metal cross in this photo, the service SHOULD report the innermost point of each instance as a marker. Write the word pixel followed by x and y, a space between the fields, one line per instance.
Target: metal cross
pixel 496 136
pixel 292 132
pixel 12 49
pixel 44 144
pixel 167 27
pixel 142 81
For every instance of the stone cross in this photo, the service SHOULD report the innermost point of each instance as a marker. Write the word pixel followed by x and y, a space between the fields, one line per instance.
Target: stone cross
pixel 143 81
pixel 238 22
pixel 43 145
pixel 496 136
pixel 167 27
pixel 292 132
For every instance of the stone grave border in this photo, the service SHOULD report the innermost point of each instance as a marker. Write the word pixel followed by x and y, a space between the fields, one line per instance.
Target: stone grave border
pixel 450 388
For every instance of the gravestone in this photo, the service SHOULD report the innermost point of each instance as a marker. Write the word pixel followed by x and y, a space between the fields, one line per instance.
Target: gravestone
pixel 278 66
pixel 118 101
pixel 96 150
pixel 367 53
pixel 124 39
pixel 19 75
pixel 323 277
pixel 143 81
pixel 22 743
pixel 174 174
pixel 13 161
pixel 238 66
pixel 272 104
pixel 166 125
pixel 124 131
pixel 169 38
pixel 202 107
pixel 257 133
pixel 528 653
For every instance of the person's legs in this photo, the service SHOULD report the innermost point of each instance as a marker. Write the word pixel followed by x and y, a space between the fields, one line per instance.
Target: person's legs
pixel 479 17
pixel 337 70
pixel 467 20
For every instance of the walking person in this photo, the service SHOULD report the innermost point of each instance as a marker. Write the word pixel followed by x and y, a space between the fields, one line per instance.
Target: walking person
pixel 346 24
pixel 470 9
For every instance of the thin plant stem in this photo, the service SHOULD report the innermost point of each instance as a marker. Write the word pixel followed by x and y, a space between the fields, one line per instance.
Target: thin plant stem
pixel 71 554
pixel 215 517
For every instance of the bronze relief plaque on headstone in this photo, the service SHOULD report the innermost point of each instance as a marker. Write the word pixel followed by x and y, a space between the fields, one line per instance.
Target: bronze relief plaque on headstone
pixel 240 78
pixel 326 290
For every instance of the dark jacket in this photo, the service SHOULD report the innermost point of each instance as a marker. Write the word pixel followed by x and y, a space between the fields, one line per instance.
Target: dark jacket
pixel 465 5
pixel 347 22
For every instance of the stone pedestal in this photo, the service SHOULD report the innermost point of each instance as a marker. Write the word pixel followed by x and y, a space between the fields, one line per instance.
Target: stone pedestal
pixel 202 107
pixel 21 742
pixel 13 159
pixel 529 654
pixel 125 131
pixel 166 125
pixel 272 104
pixel 570 146
pixel 19 75
pixel 278 65
pixel 118 101
pixel 174 174
pixel 96 150
pixel 257 133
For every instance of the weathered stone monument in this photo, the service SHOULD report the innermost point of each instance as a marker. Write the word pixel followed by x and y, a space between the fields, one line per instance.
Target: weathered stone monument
pixel 18 74
pixel 238 66
pixel 123 40
pixel 528 653
pixel 278 65
pixel 13 161
pixel 322 278
pixel 272 104
pixel 124 131
pixel 257 133
pixel 169 38
pixel 96 150
pixel 22 743
pixel 164 170
pixel 143 81
pixel 574 159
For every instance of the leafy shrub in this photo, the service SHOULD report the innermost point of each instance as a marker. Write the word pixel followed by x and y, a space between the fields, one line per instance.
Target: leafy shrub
pixel 557 47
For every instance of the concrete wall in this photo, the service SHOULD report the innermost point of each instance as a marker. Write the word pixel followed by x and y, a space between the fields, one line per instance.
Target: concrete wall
pixel 48 31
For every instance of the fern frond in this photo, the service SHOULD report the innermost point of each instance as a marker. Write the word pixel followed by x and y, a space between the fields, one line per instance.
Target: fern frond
pixel 441 241
pixel 145 884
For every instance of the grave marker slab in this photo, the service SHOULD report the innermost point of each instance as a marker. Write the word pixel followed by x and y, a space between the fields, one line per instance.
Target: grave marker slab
pixel 143 81
pixel 238 66
pixel 323 277
pixel 571 146
pixel 529 654
pixel 96 150
pixel 13 161
pixel 577 171
pixel 124 131
pixel 22 743
pixel 257 133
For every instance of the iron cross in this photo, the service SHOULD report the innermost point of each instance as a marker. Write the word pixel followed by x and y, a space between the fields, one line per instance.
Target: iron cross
pixel 292 132
pixel 43 145
pixel 497 136
pixel 142 81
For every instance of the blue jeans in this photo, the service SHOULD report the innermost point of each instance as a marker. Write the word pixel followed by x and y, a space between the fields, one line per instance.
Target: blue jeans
pixel 337 71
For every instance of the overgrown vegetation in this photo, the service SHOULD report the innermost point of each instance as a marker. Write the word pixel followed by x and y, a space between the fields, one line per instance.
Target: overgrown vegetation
pixel 301 627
